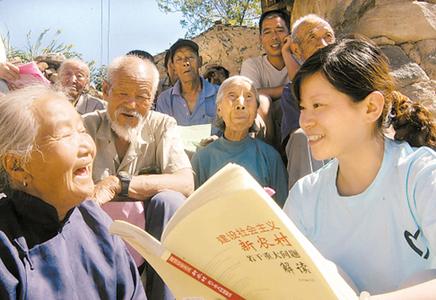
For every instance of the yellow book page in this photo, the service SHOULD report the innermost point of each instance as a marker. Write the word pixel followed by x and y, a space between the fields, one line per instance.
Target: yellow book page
pixel 234 232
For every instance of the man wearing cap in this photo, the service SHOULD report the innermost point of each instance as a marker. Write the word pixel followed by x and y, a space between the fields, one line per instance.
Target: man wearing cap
pixel 191 101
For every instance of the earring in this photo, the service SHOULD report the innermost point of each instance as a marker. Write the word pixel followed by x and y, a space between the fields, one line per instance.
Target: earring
pixel 24 183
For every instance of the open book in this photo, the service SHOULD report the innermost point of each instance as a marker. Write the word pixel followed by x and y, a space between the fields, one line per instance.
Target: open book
pixel 230 240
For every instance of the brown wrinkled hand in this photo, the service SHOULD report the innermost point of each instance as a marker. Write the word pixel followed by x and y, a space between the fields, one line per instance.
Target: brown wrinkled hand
pixel 286 44
pixel 106 189
pixel 9 72
pixel 206 141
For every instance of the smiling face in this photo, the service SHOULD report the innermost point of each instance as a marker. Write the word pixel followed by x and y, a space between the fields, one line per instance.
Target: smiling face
pixel 186 64
pixel 273 33
pixel 60 166
pixel 334 124
pixel 129 94
pixel 238 108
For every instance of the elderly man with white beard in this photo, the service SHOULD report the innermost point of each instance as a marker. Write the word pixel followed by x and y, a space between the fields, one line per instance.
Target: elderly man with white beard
pixel 140 167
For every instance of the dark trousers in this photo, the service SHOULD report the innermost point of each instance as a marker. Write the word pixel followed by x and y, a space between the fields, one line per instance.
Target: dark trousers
pixel 158 211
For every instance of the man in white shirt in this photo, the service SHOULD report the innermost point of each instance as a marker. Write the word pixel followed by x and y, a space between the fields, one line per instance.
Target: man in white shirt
pixel 268 72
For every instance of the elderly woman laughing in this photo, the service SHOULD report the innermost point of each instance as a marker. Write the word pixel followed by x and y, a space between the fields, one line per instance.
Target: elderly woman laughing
pixel 237 102
pixel 53 243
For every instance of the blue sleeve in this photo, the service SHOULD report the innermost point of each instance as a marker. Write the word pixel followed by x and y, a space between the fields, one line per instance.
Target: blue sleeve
pixel 162 103
pixel 293 207
pixel 12 273
pixel 421 191
pixel 195 162
pixel 279 179
pixel 129 285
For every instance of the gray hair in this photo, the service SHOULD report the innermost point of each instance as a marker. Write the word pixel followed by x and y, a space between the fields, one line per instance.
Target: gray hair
pixel 19 126
pixel 219 122
pixel 127 61
pixel 74 61
pixel 311 18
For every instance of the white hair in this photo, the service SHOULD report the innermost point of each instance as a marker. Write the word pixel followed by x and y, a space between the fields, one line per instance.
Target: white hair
pixel 128 61
pixel 74 61
pixel 18 124
pixel 219 121
pixel 235 80
pixel 311 18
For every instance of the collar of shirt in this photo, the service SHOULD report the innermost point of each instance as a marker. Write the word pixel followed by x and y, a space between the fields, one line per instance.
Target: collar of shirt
pixel 208 89
pixel 36 210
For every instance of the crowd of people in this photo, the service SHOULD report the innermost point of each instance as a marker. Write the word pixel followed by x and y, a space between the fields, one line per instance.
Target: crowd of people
pixel 307 120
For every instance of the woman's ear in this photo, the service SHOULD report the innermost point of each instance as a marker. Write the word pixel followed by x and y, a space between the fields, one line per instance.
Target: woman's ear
pixel 373 106
pixel 218 111
pixel 13 165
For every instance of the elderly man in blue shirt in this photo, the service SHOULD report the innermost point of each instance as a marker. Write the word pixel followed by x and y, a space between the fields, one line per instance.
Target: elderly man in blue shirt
pixel 191 101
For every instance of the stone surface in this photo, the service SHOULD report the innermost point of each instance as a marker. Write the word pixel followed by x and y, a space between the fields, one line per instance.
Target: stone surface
pixel 427 52
pixel 404 71
pixel 382 40
pixel 424 92
pixel 401 21
pixel 223 45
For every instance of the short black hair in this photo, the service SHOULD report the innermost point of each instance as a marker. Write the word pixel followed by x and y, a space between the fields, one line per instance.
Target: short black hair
pixel 167 58
pixel 181 43
pixel 142 54
pixel 281 13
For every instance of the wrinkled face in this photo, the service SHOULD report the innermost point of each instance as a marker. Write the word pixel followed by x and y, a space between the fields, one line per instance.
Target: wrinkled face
pixel 333 123
pixel 238 107
pixel 274 31
pixel 74 78
pixel 171 73
pixel 313 36
pixel 129 95
pixel 186 64
pixel 60 166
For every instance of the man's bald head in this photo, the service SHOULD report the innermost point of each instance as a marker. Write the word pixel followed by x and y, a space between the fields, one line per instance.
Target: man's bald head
pixel 130 65
pixel 310 33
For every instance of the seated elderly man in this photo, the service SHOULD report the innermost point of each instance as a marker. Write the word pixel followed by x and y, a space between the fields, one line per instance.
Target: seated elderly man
pixel 237 103
pixel 309 33
pixel 74 80
pixel 191 101
pixel 140 157
pixel 54 244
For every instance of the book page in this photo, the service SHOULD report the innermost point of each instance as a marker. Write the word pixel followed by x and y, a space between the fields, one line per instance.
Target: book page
pixel 234 232
pixel 230 240
pixel 192 135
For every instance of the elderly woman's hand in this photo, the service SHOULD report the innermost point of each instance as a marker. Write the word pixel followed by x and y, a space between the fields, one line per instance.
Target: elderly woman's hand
pixel 9 72
pixel 206 141
pixel 106 189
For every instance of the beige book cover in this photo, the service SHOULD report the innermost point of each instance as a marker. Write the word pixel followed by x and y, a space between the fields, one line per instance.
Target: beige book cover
pixel 230 240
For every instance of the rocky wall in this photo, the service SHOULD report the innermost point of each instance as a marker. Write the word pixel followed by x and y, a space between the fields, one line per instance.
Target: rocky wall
pixel 405 29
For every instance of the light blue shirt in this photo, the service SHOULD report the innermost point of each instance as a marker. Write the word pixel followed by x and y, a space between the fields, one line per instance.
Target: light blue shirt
pixel 382 236
pixel 172 103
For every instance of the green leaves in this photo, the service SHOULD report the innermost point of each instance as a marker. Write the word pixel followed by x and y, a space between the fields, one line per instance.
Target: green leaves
pixel 199 15
pixel 36 48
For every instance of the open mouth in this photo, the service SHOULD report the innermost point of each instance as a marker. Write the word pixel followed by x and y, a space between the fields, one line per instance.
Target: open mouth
pixel 82 172
pixel 128 115
pixel 314 138
pixel 276 46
